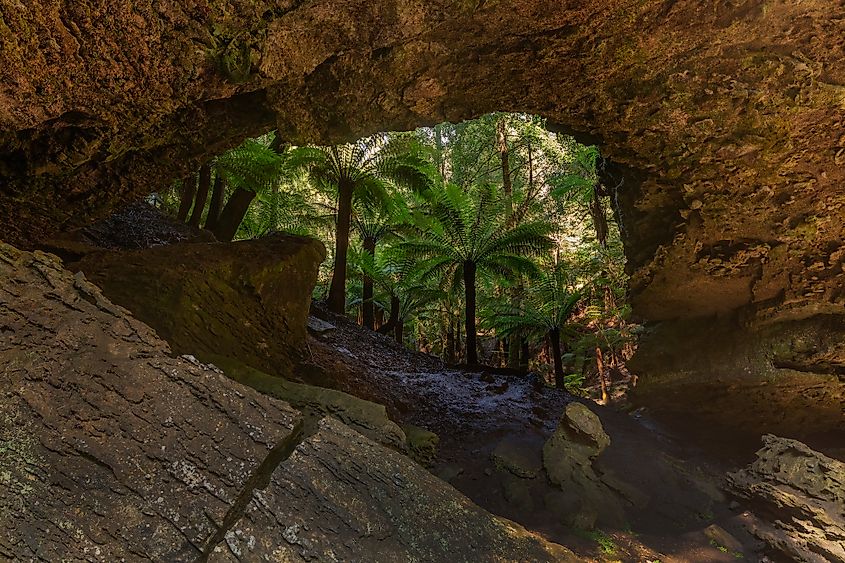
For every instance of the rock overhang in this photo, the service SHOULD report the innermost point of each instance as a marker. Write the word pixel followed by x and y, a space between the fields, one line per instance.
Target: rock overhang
pixel 729 120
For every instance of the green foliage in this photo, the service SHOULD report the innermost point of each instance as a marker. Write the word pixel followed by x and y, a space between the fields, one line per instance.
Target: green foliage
pixel 433 200
pixel 252 166
pixel 372 168
pixel 547 303
pixel 453 226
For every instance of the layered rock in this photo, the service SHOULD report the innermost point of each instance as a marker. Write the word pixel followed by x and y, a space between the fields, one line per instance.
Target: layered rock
pixel 248 301
pixel 800 496
pixel 113 449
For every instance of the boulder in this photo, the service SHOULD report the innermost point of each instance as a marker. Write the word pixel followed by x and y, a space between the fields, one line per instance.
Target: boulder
pixel 422 444
pixel 568 460
pixel 113 449
pixel 798 497
pixel 246 300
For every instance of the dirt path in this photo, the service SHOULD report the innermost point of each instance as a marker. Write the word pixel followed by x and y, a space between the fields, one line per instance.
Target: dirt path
pixel 670 489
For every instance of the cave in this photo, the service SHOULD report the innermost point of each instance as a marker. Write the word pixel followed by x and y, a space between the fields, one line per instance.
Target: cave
pixel 723 128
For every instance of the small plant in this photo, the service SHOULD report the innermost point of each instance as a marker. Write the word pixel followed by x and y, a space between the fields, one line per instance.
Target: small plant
pixel 605 542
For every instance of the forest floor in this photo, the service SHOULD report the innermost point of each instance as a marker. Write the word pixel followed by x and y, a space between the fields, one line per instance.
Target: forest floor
pixel 677 486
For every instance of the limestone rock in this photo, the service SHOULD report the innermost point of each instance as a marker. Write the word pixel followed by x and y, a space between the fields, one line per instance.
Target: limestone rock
pixel 798 495
pixel 246 300
pixel 113 449
pixel 568 460
pixel 368 418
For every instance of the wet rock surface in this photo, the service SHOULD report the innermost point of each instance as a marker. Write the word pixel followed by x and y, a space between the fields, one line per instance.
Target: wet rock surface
pixel 114 449
pixel 799 495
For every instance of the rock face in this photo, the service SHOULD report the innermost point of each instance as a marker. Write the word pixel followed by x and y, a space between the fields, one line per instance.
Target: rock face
pixel 800 496
pixel 246 300
pixel 725 121
pixel 748 378
pixel 113 449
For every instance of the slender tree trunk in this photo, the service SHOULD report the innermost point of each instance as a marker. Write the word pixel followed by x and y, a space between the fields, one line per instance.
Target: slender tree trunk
pixel 368 306
pixel 391 323
pixel 379 318
pixel 507 187
pixel 600 222
pixel 189 190
pixel 233 214
pixel 602 376
pixel 399 331
pixel 599 217
pixel 203 187
pixel 215 207
pixel 554 337
pixel 469 288
pixel 451 356
pixel 504 155
pixel 458 345
pixel 337 291
pixel 524 356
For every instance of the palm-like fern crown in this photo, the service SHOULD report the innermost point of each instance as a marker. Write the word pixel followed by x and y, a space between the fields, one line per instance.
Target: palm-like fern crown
pixel 391 276
pixel 453 227
pixel 252 166
pixel 547 304
pixel 369 167
pixel 377 222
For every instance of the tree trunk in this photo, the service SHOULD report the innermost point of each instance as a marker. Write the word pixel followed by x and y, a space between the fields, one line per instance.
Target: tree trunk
pixel 216 205
pixel 202 195
pixel 602 376
pixel 233 214
pixel 599 217
pixel 379 318
pixel 469 288
pixel 524 356
pixel 189 190
pixel 554 337
pixel 391 323
pixel 504 155
pixel 337 291
pixel 368 306
pixel 399 331
pixel 451 352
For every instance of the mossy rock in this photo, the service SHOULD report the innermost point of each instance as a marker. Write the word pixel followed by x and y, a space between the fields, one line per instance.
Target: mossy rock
pixel 422 444
pixel 368 418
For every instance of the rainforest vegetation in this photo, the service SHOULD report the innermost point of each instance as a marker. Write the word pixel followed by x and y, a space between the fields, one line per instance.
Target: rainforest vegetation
pixel 491 241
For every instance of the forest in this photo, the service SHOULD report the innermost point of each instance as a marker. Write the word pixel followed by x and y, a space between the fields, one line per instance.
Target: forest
pixel 491 241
